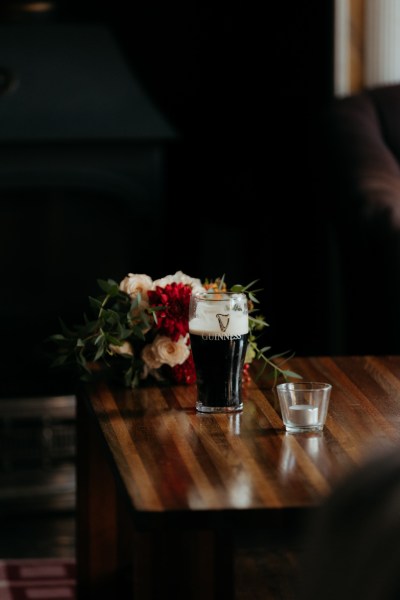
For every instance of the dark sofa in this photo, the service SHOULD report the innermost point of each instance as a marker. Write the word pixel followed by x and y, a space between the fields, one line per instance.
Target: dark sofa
pixel 358 177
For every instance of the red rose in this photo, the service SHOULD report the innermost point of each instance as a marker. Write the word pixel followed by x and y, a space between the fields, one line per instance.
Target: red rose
pixel 185 373
pixel 173 319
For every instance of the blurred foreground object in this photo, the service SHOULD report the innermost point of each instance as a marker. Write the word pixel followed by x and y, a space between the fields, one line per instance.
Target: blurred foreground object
pixel 353 547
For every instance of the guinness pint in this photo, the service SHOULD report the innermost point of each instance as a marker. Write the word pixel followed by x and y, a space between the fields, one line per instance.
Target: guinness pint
pixel 219 330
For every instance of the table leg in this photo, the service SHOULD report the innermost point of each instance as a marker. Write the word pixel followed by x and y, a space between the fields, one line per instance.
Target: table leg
pixel 99 564
pixel 189 565
pixel 115 561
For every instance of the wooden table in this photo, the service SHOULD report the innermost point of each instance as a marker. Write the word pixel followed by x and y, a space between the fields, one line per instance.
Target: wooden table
pixel 161 487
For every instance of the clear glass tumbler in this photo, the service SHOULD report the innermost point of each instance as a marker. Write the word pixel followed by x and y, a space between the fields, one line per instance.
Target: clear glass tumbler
pixel 304 405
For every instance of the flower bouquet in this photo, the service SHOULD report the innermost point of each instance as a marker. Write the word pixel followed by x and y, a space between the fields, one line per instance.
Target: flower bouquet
pixel 138 329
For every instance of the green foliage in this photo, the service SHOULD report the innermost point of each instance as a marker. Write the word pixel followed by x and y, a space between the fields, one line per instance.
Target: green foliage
pixel 111 324
pixel 257 325
pixel 99 342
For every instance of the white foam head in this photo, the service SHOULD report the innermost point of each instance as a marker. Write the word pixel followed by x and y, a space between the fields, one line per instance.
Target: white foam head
pixel 219 313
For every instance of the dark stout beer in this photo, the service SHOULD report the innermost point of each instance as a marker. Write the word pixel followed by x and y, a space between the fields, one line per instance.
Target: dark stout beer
pixel 219 361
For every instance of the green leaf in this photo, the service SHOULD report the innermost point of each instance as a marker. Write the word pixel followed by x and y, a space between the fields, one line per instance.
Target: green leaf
pixel 57 337
pixel 237 288
pixel 253 298
pixel 265 349
pixel 110 287
pixel 100 351
pixel 136 301
pixel 249 285
pixel 114 340
pixel 137 331
pixel 292 374
pixel 124 333
pixel 91 327
pixel 221 282
pixel 258 321
pixel 95 302
pixel 81 360
pixel 157 308
pixel 99 339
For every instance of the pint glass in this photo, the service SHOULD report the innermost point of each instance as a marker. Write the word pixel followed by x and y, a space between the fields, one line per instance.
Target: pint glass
pixel 219 331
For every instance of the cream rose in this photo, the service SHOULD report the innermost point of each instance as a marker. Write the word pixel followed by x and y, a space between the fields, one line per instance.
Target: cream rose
pixel 134 284
pixel 179 277
pixel 164 351
pixel 125 348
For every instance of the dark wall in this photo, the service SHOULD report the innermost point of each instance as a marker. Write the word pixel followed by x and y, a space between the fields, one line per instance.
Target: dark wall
pixel 241 83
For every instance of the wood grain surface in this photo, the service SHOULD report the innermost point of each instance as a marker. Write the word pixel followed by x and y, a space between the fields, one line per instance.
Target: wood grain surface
pixel 163 491
pixel 171 458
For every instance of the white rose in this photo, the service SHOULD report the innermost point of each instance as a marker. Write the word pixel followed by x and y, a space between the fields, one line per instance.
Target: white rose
pixel 125 348
pixel 150 357
pixel 133 284
pixel 163 350
pixel 179 277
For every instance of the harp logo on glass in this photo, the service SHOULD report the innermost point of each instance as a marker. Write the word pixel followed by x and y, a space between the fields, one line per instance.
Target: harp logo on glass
pixel 223 321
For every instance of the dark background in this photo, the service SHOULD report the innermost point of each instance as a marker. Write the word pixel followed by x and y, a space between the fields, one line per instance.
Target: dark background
pixel 242 84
